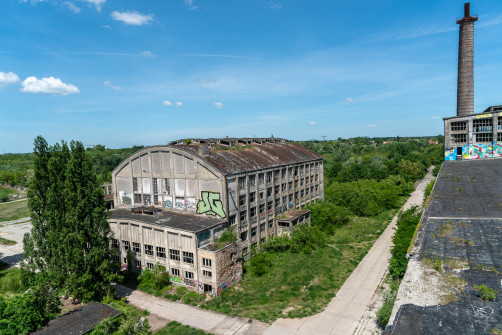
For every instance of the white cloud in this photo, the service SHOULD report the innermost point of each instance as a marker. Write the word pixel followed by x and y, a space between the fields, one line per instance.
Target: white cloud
pixel 312 123
pixel 71 7
pixel 133 18
pixel 435 117
pixel 349 99
pixel 190 5
pixel 274 5
pixel 49 85
pixel 206 81
pixel 167 103
pixel 109 84
pixel 218 105
pixel 178 103
pixel 372 125
pixel 98 3
pixel 146 54
pixel 7 78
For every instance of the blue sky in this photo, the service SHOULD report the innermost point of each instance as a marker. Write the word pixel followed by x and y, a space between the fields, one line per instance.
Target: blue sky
pixel 120 72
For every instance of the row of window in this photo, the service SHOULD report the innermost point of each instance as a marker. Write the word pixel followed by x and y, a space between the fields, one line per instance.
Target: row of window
pixel 478 126
pixel 267 177
pixel 254 231
pixel 161 252
pixel 174 271
pixel 479 138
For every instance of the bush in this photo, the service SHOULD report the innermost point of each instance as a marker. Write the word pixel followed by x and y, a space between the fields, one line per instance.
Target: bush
pixel 181 290
pixel 486 293
pixel 193 298
pixel 132 320
pixel 152 281
pixel 260 263
pixel 327 216
pixel 428 188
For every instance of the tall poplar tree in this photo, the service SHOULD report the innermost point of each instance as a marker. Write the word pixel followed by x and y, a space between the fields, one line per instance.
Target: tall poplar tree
pixel 69 245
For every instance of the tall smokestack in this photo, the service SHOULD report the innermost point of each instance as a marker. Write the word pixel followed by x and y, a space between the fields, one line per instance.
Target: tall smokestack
pixel 465 83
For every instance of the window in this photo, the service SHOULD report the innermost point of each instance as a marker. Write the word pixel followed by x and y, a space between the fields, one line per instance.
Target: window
pixel 244 235
pixel 136 247
pixel 135 184
pixel 245 250
pixel 242 200
pixel 284 187
pixel 206 273
pixel 269 192
pixel 302 181
pixel 252 180
pixel 155 186
pixel 188 275
pixel 242 182
pixel 284 200
pixel 137 198
pixel 174 254
pixel 125 260
pixel 262 208
pixel 260 179
pixel 483 137
pixel 231 220
pixel 252 197
pixel 175 272
pixel 290 185
pixel 296 171
pixel 277 202
pixel 252 212
pixel 155 199
pixel 307 190
pixel 269 205
pixel 243 215
pixel 276 175
pixel 290 197
pixel 261 195
pixel 206 262
pixel 167 186
pixel 149 266
pixel 188 257
pixel 137 264
pixel 125 245
pixel 499 126
pixel 270 224
pixel 262 227
pixel 147 199
pixel 276 189
pixel 161 252
pixel 115 243
pixel 262 240
pixel 148 250
pixel 499 137
pixel 482 125
pixel 283 173
pixel 302 193
pixel 459 138
pixel 208 288
pixel 253 231
pixel 269 176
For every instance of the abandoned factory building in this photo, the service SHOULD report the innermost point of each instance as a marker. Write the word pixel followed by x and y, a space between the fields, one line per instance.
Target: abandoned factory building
pixel 173 201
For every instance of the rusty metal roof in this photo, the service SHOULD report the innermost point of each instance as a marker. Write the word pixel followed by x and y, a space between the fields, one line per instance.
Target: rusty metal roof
pixel 292 214
pixel 242 157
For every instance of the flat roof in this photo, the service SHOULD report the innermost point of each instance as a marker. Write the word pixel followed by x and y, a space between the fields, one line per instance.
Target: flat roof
pixel 169 218
pixel 292 214
pixel 463 224
pixel 80 320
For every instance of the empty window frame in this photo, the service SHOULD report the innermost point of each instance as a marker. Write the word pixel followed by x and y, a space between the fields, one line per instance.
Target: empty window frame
pixel 252 180
pixel 125 245
pixel 262 227
pixel 115 243
pixel 188 275
pixel 242 200
pixel 244 235
pixel 283 173
pixel 284 187
pixel 253 231
pixel 242 182
pixel 167 186
pixel 137 198
pixel 174 255
pixel 276 189
pixel 243 215
pixel 161 252
pixel 252 197
pixel 155 186
pixel 148 250
pixel 147 199
pixel 231 220
pixel 499 137
pixel 269 176
pixel 188 257
pixel 135 185
pixel 137 264
pixel 175 272
pixel 270 224
pixel 459 138
pixel 484 137
pixel 206 262
pixel 206 273
pixel 482 125
pixel 499 123
pixel 252 212
pixel 262 208
pixel 136 247
pixel 116 258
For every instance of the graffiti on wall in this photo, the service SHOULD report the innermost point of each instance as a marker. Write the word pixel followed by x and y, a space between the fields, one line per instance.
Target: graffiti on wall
pixel 168 202
pixel 450 155
pixel 477 151
pixel 191 203
pixel 125 198
pixel 176 279
pixel 210 204
pixel 180 203
pixel 204 235
pixel 189 282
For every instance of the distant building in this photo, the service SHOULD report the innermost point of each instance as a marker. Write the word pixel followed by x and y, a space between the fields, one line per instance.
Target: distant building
pixel 198 187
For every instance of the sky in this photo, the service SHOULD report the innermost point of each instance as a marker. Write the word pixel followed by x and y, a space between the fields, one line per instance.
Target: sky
pixel 122 73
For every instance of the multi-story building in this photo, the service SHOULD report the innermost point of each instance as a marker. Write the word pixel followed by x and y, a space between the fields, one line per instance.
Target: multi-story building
pixel 474 136
pixel 196 188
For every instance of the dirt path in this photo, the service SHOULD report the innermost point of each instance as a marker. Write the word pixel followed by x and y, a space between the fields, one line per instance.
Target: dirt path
pixel 162 311
pixel 9 202
pixel 349 312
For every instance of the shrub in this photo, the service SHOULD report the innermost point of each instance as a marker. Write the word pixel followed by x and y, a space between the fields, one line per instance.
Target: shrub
pixel 193 298
pixel 428 188
pixel 260 263
pixel 181 290
pixel 486 293
pixel 327 216
pixel 152 281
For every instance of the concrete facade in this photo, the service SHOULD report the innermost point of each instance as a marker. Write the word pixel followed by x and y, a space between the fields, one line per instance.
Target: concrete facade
pixel 186 193
pixel 474 136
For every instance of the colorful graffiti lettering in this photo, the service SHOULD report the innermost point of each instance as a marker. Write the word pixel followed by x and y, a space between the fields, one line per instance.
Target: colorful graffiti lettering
pixel 125 199
pixel 189 282
pixel 191 203
pixel 210 204
pixel 167 203
pixel 450 155
pixel 176 279
pixel 476 151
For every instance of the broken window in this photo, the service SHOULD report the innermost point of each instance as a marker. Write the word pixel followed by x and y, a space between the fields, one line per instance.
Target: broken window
pixel 148 250
pixel 482 126
pixel 136 247
pixel 484 137
pixel 174 254
pixel 161 252
pixel 188 257
pixel 459 138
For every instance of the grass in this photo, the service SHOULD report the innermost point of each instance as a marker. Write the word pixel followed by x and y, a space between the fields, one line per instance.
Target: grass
pixel 303 284
pixel 5 241
pixel 10 280
pixel 389 298
pixel 176 328
pixel 486 293
pixel 14 210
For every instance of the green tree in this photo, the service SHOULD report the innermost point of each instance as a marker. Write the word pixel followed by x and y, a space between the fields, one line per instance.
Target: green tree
pixel 69 246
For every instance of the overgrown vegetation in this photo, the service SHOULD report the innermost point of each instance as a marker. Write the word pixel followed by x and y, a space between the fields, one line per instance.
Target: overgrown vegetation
pixel 228 236
pixel 486 293
pixel 389 297
pixel 14 210
pixel 10 280
pixel 176 328
pixel 428 188
pixel 153 281
pixel 5 241
pixel 132 320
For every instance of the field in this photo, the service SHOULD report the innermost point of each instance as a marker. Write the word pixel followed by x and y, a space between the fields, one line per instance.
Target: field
pixel 303 284
pixel 10 280
pixel 14 210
